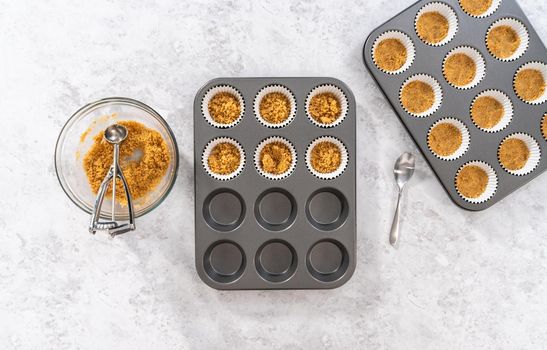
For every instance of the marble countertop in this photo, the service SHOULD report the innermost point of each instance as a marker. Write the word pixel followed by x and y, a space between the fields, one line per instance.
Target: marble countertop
pixel 459 280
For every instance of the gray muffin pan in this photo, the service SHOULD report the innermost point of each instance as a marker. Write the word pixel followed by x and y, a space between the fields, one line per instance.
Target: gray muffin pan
pixel 456 102
pixel 255 233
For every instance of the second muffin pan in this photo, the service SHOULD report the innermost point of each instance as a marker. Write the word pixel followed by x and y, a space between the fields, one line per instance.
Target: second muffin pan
pixel 259 230
pixel 450 96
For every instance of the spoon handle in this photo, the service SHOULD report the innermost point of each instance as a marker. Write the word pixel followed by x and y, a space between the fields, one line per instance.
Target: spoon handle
pixel 394 233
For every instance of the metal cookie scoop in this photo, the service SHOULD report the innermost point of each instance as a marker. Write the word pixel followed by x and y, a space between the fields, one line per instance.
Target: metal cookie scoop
pixel 403 171
pixel 114 134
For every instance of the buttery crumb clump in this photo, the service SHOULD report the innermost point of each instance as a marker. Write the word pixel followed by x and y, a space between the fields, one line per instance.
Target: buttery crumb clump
pixel 432 27
pixel 275 108
pixel 224 108
pixel 144 159
pixel 471 181
pixel 444 139
pixel 325 108
pixel 459 69
pixel 326 157
pixel 417 96
pixel 475 7
pixel 502 41
pixel 224 158
pixel 275 158
pixel 487 112
pixel 513 154
pixel 390 54
pixel 529 84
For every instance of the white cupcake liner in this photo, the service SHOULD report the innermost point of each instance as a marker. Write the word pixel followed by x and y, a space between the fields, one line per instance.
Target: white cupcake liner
pixel 339 95
pixel 447 12
pixel 506 103
pixel 480 65
pixel 493 7
pixel 259 149
pixel 534 158
pixel 209 148
pixel 491 187
pixel 521 31
pixel 271 89
pixel 437 91
pixel 343 154
pixel 542 67
pixel 541 123
pixel 464 131
pixel 407 43
pixel 210 94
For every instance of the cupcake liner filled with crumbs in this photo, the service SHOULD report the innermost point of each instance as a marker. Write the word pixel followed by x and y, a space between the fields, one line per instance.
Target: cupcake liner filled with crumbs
pixel 507 39
pixel 463 67
pixel 519 154
pixel 275 106
pixel 420 95
pixel 326 106
pixel 491 110
pixel 326 157
pixel 479 8
pixel 275 158
pixel 476 181
pixel 529 82
pixel 448 138
pixel 436 23
pixel 393 52
pixel 223 106
pixel 223 158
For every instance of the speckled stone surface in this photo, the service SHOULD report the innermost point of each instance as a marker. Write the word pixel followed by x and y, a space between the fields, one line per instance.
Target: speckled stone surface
pixel 459 280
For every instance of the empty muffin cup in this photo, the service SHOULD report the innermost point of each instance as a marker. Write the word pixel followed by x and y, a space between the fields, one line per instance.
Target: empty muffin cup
pixel 529 82
pixel 476 181
pixel 491 110
pixel 393 52
pixel 507 39
pixel 326 157
pixel 420 95
pixel 326 106
pixel 275 106
pixel 223 106
pixel 479 8
pixel 436 23
pixel 275 158
pixel 448 138
pixel 519 154
pixel 463 67
pixel 223 158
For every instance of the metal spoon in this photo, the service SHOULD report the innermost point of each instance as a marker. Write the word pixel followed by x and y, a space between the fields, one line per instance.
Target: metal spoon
pixel 114 134
pixel 403 171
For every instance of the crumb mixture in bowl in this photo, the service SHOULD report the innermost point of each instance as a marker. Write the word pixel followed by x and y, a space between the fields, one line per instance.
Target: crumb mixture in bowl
pixel 224 159
pixel 444 139
pixel 390 54
pixel 275 108
pixel 513 154
pixel 502 41
pixel 432 27
pixel 471 181
pixel 224 108
pixel 144 159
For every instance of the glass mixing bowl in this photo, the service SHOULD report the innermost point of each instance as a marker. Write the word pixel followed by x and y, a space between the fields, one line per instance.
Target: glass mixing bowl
pixel 91 120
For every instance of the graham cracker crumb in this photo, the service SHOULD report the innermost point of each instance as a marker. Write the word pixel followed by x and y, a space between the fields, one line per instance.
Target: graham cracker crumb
pixel 459 69
pixel 325 108
pixel 224 158
pixel 513 154
pixel 417 96
pixel 471 181
pixel 390 54
pixel 326 157
pixel 475 7
pixel 502 41
pixel 275 158
pixel 486 112
pixel 444 139
pixel 224 108
pixel 432 27
pixel 529 84
pixel 275 108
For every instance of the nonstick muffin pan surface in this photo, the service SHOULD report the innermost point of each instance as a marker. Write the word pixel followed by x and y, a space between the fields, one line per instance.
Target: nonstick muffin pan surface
pixel 456 102
pixel 254 232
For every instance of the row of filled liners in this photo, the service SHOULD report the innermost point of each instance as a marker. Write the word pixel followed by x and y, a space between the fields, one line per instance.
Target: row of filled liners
pixel 436 24
pixel 421 95
pixel 276 261
pixel 275 158
pixel 518 153
pixel 275 106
